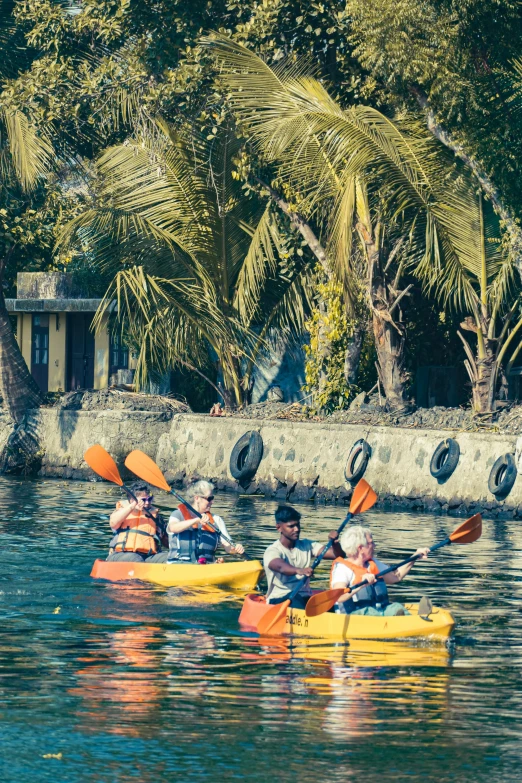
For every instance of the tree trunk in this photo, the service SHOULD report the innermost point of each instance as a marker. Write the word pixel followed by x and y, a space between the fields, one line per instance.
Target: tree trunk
pixel 390 345
pixel 20 396
pixel 389 335
pixel 483 386
pixel 18 388
pixel 352 357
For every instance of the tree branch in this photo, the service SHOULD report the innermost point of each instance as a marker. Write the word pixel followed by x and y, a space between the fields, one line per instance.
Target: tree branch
pixel 302 226
pixel 504 212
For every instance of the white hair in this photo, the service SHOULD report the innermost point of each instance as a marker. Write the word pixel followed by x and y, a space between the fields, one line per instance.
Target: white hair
pixel 200 488
pixel 353 538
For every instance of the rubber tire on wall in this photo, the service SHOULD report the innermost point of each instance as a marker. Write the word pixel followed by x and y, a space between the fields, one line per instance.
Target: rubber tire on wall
pixel 445 470
pixel 505 466
pixel 360 449
pixel 246 456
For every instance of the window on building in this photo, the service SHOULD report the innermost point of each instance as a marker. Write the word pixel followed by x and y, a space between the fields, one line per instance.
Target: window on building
pixel 119 354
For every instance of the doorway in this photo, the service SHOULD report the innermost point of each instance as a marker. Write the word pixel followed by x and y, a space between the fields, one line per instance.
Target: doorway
pixel 80 351
pixel 40 351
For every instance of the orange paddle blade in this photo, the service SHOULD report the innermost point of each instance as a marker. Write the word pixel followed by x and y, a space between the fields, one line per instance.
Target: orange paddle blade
pixel 322 602
pixel 103 464
pixel 145 467
pixel 468 532
pixel 363 498
pixel 274 621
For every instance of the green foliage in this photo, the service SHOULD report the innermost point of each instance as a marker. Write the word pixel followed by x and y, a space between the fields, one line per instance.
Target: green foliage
pixel 459 54
pixel 329 330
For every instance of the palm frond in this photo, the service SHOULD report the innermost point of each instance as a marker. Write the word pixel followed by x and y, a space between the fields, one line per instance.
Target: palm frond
pixel 31 150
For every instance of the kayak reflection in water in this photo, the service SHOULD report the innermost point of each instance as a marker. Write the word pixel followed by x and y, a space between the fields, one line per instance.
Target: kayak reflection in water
pixel 289 559
pixel 194 540
pixel 360 565
pixel 139 529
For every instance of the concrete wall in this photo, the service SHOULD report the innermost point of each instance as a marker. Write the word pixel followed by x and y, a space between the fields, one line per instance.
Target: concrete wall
pixel 301 460
pixel 65 435
pixel 57 343
pixel 313 454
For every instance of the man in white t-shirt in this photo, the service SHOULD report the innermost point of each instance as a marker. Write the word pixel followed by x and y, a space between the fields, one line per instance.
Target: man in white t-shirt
pixel 360 565
pixel 288 560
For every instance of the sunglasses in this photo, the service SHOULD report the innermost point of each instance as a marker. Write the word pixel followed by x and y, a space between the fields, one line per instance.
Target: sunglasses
pixel 210 498
pixel 147 498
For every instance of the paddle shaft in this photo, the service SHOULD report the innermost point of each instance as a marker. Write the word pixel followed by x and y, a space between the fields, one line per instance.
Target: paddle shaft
pixel 191 508
pixel 411 559
pixel 318 558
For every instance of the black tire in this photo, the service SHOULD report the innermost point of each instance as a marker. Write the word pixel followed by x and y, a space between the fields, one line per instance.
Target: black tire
pixel 445 459
pixel 246 456
pixel 502 476
pixel 357 461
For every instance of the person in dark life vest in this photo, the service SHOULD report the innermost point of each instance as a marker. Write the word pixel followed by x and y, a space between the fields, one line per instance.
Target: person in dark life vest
pixel 360 565
pixel 288 560
pixel 137 536
pixel 194 540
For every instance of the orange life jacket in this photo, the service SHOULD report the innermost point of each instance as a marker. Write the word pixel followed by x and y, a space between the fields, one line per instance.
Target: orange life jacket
pixel 138 533
pixel 372 595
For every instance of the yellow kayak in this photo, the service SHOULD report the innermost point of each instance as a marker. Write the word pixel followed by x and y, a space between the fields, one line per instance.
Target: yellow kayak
pixel 239 575
pixel 438 626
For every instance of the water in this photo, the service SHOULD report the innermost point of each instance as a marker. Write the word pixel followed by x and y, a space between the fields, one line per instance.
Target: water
pixel 128 682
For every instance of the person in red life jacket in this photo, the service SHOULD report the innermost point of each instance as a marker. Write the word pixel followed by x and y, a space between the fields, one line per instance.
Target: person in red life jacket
pixel 138 529
pixel 194 540
pixel 288 560
pixel 360 565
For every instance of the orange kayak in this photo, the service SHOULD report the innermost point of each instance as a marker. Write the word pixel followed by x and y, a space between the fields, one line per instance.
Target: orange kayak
pixel 438 625
pixel 239 575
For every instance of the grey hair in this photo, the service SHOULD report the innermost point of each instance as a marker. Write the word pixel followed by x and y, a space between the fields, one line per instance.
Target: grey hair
pixel 200 488
pixel 353 538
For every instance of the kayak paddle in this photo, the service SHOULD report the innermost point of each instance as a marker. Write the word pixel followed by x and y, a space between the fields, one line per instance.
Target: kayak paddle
pixel 466 533
pixel 99 460
pixel 273 621
pixel 145 467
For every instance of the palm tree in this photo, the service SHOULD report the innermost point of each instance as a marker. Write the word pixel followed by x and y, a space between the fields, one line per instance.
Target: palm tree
pixel 26 155
pixel 200 267
pixel 374 186
pixel 486 286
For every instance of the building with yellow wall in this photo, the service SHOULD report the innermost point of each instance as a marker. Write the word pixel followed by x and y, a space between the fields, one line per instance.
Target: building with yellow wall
pixel 56 338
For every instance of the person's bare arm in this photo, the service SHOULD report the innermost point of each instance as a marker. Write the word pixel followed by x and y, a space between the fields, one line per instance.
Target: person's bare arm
pixel 398 575
pixel 178 526
pixel 335 550
pixel 120 515
pixel 280 566
pixel 370 578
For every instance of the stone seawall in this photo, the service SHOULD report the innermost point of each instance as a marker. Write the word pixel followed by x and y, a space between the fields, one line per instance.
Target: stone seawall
pixel 301 460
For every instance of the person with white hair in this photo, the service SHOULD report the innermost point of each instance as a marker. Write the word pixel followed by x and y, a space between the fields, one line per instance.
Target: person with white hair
pixel 194 540
pixel 360 565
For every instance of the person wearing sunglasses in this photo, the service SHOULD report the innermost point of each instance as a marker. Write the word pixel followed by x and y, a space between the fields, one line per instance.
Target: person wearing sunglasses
pixel 138 528
pixel 193 540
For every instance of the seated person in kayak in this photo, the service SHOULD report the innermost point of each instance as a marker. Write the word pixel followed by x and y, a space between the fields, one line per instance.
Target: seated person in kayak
pixel 138 529
pixel 288 560
pixel 360 565
pixel 194 540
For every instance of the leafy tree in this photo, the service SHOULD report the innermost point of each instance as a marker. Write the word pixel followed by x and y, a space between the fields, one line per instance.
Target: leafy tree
pixel 357 174
pixel 197 262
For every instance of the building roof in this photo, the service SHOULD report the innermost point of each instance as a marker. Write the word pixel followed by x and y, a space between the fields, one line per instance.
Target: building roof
pixel 52 305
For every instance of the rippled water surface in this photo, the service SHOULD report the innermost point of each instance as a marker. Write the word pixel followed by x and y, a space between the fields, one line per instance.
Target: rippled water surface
pixel 128 682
